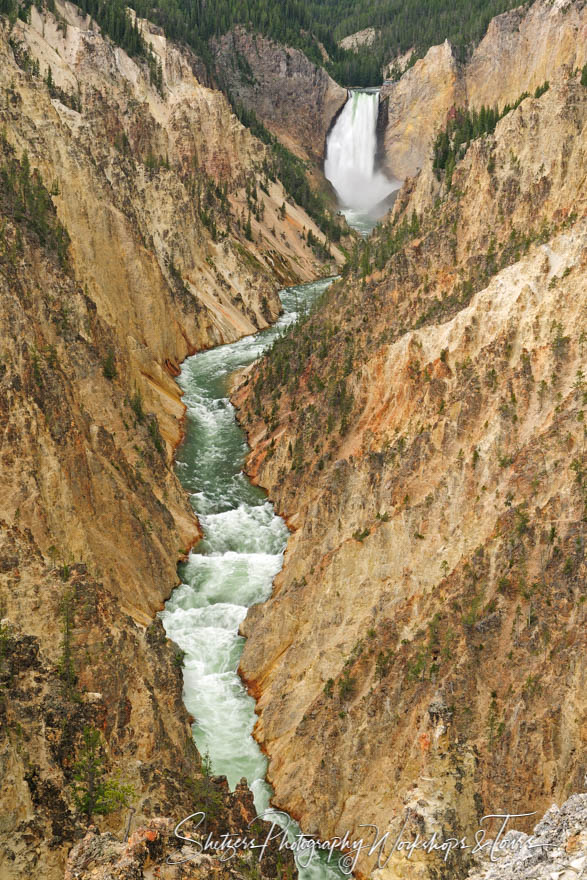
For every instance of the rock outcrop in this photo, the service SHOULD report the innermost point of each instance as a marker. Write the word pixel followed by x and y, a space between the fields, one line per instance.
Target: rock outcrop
pixel 147 186
pixel 153 850
pixel 139 223
pixel 295 99
pixel 422 655
pixel 557 848
pixel 520 51
pixel 366 37
pixel 415 107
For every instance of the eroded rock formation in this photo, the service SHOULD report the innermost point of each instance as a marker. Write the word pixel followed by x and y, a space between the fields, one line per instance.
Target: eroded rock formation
pixel 137 225
pixel 519 52
pixel 295 99
pixel 136 175
pixel 423 651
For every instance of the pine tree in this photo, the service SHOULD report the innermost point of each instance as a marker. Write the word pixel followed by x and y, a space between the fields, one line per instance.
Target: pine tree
pixel 206 797
pixel 66 663
pixel 93 793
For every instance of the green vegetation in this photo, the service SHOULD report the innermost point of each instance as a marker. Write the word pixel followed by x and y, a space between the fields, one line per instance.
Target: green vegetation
pixel 26 201
pixel 66 660
pixel 137 406
pixel 308 25
pixel 207 798
pixel 383 663
pixel 31 65
pixel 93 792
pixel 361 535
pixel 113 18
pixel 109 365
pixel 403 25
pixel 584 76
pixel 303 24
pixel 291 171
pixel 15 10
pixel 346 685
pixel 111 15
pixel 463 127
pixel 390 241
pixel 155 435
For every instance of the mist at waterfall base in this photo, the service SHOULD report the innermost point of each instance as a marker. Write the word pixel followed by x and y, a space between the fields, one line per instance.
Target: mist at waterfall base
pixel 363 191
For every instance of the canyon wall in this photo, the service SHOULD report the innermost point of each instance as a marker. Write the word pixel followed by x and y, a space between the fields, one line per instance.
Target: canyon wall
pixel 138 224
pixel 139 176
pixel 295 99
pixel 520 51
pixel 422 655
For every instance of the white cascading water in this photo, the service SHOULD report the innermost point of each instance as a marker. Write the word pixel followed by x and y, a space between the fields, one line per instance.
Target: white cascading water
pixel 350 157
pixel 242 550
pixel 230 569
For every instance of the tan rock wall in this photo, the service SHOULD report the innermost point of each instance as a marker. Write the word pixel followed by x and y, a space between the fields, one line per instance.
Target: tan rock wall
pixel 127 173
pixel 520 51
pixel 422 648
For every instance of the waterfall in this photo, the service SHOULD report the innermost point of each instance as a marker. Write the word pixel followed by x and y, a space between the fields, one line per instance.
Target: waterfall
pixel 350 157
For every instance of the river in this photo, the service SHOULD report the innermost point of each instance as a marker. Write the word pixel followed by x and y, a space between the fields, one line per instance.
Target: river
pixel 233 566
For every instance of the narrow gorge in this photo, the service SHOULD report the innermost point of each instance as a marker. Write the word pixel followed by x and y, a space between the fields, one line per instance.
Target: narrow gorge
pixel 292 438
pixel 232 567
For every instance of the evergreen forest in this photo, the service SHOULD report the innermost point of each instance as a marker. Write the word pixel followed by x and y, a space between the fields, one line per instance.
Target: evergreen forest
pixel 310 25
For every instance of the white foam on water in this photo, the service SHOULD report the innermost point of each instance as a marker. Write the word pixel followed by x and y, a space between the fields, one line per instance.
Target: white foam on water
pixel 231 568
pixel 350 166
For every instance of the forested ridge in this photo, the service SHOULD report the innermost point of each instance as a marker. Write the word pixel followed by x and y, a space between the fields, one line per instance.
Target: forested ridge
pixel 305 24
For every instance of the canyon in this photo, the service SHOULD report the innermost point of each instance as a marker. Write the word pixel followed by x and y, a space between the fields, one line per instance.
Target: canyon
pixel 124 173
pixel 140 223
pixel 423 435
pixel 421 431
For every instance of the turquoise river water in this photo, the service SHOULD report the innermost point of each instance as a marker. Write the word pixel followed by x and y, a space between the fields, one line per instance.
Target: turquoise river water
pixel 232 567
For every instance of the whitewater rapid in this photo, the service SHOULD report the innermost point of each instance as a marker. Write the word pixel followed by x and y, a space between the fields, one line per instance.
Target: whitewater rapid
pixel 232 567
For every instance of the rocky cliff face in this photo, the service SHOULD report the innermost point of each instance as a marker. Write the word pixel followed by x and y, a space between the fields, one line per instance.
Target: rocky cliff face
pixel 125 683
pixel 366 37
pixel 148 186
pixel 125 245
pixel 415 106
pixel 520 51
pixel 294 98
pixel 556 848
pixel 420 657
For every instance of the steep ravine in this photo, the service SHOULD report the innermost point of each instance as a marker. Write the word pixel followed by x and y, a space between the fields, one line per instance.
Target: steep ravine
pixel 137 226
pixel 423 435
pixel 136 176
pixel 124 247
pixel 231 569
